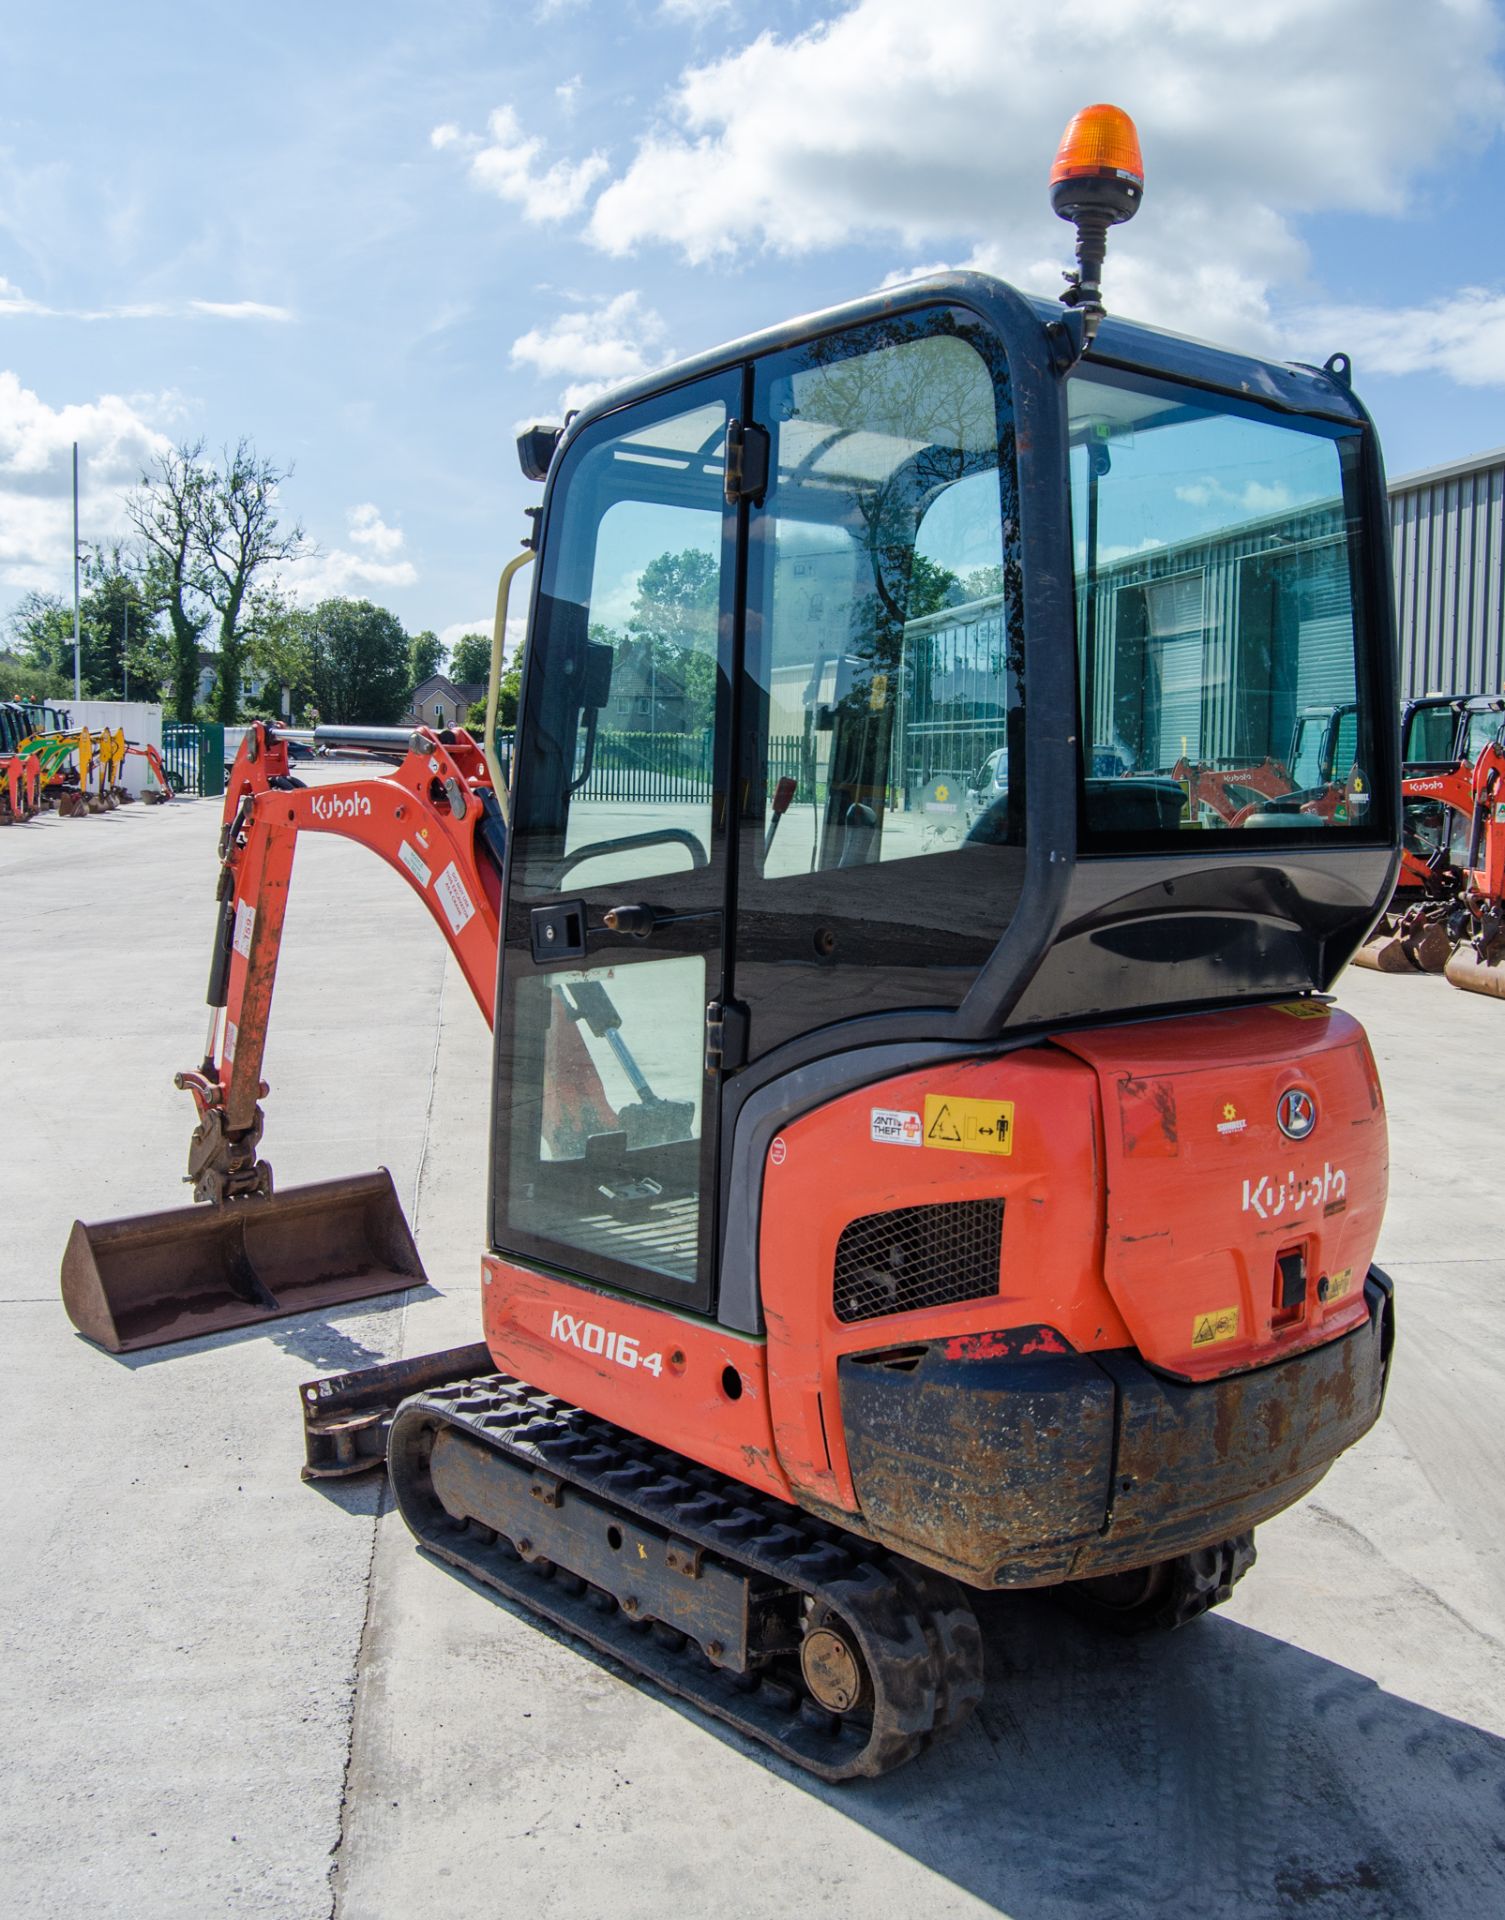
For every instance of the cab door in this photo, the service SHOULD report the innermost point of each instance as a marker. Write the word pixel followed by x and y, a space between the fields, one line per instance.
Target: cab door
pixel 614 931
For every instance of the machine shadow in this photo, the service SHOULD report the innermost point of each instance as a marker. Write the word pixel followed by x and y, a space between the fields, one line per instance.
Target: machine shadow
pixel 315 1338
pixel 1215 1772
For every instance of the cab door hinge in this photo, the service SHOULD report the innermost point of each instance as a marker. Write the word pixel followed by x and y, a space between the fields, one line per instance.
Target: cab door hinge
pixel 746 463
pixel 726 1026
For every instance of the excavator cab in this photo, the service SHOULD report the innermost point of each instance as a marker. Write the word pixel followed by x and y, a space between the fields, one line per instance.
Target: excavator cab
pixel 857 557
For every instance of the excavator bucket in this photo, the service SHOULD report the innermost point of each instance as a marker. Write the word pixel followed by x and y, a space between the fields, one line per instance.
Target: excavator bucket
pixel 176 1275
pixel 1465 969
pixel 1384 951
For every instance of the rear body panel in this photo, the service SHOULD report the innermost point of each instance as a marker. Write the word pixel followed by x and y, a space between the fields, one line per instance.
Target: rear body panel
pixel 1038 1326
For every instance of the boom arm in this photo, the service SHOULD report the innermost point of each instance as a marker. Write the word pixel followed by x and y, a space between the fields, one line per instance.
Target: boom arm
pixel 433 819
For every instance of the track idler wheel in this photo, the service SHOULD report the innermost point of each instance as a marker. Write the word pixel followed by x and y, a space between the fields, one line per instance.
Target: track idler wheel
pixel 1165 1595
pixel 832 1665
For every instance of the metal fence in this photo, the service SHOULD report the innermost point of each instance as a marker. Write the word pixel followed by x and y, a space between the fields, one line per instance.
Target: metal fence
pixel 195 758
pixel 679 766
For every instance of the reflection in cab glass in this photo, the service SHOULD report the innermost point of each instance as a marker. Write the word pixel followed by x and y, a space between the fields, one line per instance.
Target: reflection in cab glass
pixel 885 671
pixel 1215 558
pixel 633 615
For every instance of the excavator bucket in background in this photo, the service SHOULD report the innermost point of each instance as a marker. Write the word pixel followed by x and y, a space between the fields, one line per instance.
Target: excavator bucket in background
pixel 1384 951
pixel 175 1275
pixel 1417 941
pixel 1466 969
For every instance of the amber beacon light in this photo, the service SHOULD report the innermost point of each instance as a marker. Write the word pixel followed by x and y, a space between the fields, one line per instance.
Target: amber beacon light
pixel 1097 182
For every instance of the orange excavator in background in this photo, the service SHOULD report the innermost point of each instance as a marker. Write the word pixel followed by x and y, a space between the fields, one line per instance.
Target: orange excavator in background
pixel 1443 737
pixel 898 1204
pixel 1313 778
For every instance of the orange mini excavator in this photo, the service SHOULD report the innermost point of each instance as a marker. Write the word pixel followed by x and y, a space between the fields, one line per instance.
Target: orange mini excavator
pixel 886 1201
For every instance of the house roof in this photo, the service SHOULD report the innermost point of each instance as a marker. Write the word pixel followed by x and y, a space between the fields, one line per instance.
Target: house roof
pixel 465 691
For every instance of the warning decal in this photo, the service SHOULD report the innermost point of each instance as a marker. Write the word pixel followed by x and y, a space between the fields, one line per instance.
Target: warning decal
pixel 969 1126
pixel 245 922
pixel 456 902
pixel 1304 1009
pixel 1210 1327
pixel 409 858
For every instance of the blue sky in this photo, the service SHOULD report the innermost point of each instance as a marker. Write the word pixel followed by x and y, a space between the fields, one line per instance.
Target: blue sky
pixel 376 238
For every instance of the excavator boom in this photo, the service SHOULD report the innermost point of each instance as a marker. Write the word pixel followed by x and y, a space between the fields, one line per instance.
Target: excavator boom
pixel 248 1253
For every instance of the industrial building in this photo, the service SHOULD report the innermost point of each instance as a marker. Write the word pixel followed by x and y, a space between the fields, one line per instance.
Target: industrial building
pixel 1448 529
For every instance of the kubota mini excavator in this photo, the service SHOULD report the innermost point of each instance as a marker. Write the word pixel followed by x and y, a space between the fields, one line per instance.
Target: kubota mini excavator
pixel 1443 737
pixel 890 1205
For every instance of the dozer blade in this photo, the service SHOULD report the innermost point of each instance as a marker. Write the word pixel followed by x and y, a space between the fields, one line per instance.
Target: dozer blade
pixel 1465 969
pixel 189 1271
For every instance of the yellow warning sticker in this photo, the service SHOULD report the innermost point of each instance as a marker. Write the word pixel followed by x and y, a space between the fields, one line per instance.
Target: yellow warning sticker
pixel 969 1126
pixel 1304 1009
pixel 1338 1284
pixel 1209 1327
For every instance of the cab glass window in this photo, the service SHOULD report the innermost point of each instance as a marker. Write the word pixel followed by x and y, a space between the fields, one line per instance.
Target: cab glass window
pixel 891 664
pixel 617 781
pixel 884 666
pixel 1216 563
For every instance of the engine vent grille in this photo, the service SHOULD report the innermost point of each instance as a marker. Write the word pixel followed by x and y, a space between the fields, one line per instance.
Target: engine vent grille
pixel 918 1257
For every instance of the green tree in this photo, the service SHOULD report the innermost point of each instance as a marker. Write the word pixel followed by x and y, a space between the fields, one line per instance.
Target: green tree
pixel 470 662
pixel 237 537
pixel 115 610
pixel 20 679
pixel 280 646
pixel 165 512
pixel 119 604
pixel 212 533
pixel 670 648
pixel 359 662
pixel 425 657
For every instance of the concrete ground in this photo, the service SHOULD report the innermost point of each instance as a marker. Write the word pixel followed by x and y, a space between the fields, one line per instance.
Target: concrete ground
pixel 225 1692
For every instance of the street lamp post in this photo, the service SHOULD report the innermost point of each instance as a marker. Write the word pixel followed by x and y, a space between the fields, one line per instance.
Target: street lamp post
pixel 78 676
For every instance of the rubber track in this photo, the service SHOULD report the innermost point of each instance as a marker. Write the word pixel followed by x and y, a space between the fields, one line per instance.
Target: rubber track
pixel 915 1628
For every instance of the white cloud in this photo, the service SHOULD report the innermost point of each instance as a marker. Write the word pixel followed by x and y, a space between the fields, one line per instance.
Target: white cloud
pixel 370 531
pixel 240 310
pixel 14 302
pixel 452 635
pixel 117 438
pixel 506 162
pixel 1251 117
pixel 360 573
pixel 595 348
pixel 692 12
pixel 1462 337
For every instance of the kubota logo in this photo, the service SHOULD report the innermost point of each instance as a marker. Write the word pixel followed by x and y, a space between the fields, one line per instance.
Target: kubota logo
pixel 1296 1113
pixel 353 806
pixel 1269 1199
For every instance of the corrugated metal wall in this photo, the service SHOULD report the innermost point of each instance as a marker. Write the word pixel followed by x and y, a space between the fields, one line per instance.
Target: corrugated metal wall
pixel 1448 533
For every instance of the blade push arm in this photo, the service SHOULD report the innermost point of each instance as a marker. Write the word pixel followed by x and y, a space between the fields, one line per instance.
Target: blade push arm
pixel 433 819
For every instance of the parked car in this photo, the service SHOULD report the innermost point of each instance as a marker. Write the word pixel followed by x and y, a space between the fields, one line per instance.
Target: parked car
pixel 989 783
